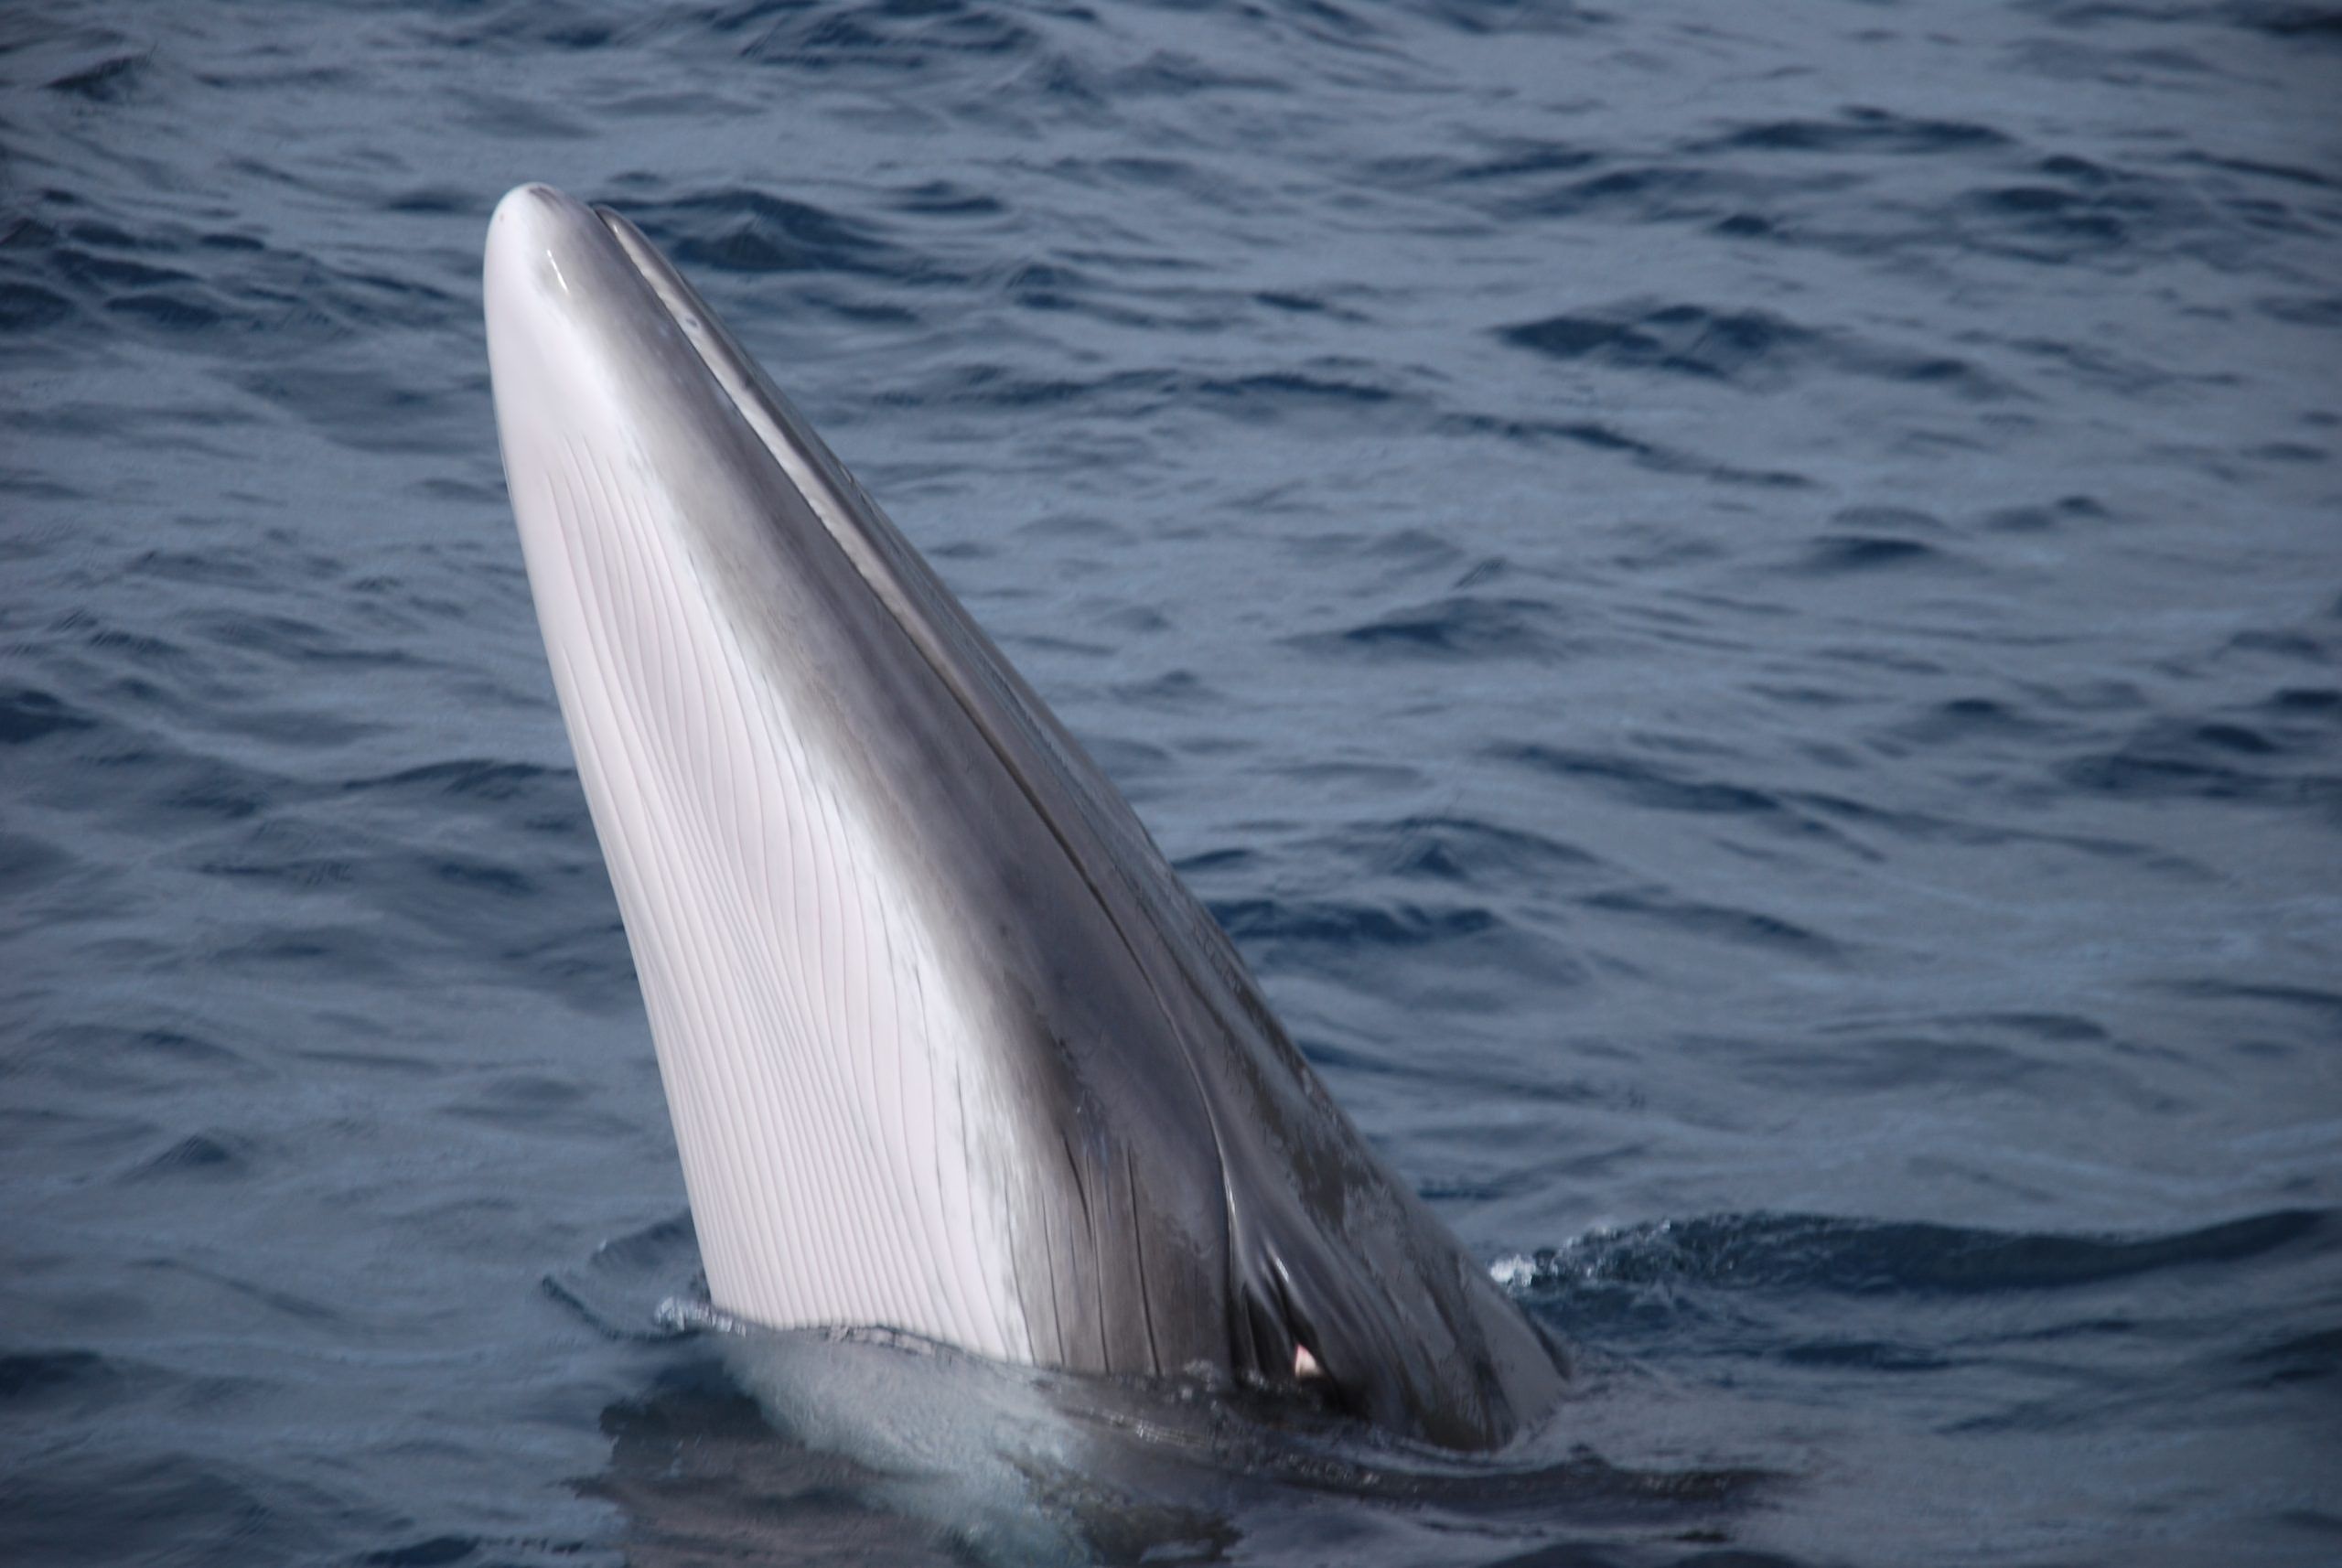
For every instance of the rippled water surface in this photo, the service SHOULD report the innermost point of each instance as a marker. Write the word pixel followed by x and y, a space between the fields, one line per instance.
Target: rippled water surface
pixel 1739 608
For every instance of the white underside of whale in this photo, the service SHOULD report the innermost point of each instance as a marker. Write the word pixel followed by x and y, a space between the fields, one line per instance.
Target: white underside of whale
pixel 847 1148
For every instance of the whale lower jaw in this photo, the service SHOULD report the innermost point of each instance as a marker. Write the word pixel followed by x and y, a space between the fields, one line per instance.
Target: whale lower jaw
pixel 946 1046
pixel 842 1140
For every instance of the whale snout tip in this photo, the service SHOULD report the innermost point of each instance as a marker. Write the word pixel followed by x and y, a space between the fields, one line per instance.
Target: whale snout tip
pixel 540 217
pixel 541 237
pixel 533 199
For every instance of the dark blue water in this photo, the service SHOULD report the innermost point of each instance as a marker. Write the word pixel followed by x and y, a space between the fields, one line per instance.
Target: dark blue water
pixel 1739 608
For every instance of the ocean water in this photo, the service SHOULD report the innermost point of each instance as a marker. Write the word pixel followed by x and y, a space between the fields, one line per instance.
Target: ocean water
pixel 1738 607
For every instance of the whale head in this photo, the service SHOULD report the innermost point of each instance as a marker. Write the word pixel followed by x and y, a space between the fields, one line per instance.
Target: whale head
pixel 947 1046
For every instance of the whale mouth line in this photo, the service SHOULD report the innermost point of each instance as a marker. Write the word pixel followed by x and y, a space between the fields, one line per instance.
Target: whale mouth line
pixel 810 466
pixel 954 648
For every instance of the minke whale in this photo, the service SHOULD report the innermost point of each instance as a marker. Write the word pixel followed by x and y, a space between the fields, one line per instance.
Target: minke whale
pixel 948 1047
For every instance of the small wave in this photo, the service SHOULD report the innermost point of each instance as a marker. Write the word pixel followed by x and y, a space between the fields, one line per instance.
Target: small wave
pixel 2211 759
pixel 201 1156
pixel 1858 129
pixel 1747 348
pixel 1684 339
pixel 432 1551
pixel 2312 1358
pixel 1972 721
pixel 31 309
pixel 1273 923
pixel 1463 626
pixel 744 229
pixel 482 778
pixel 875 37
pixel 26 715
pixel 110 79
pixel 1460 851
pixel 1718 922
pixel 1647 784
pixel 33 1379
pixel 1866 552
pixel 1856 1257
pixel 622 1292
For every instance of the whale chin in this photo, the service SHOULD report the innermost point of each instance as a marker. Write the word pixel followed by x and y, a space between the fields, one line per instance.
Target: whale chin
pixel 947 1046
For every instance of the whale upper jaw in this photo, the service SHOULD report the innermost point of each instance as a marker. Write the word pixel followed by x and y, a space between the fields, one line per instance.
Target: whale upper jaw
pixel 947 1044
